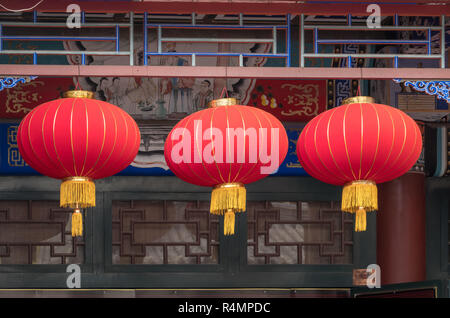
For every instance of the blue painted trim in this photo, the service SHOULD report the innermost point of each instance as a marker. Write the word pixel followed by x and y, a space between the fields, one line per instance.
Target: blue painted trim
pixel 147 25
pixel 145 38
pixel 10 82
pixel 438 88
pixel 75 38
pixel 190 26
pixel 372 42
pixel 429 42
pixel 217 54
pixel 117 38
pixel 288 44
pixel 316 39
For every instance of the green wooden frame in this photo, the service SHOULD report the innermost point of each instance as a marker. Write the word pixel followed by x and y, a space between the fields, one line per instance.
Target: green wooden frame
pixel 232 270
pixel 42 268
pixel 439 287
pixel 437 236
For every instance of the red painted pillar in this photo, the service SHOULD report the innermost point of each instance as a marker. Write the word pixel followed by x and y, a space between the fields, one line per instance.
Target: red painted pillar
pixel 401 229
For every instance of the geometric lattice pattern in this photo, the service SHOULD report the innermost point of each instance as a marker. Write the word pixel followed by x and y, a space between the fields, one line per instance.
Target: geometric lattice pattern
pixel 297 232
pixel 164 232
pixel 37 232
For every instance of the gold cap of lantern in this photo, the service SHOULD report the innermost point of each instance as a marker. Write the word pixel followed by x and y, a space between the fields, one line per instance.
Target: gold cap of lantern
pixel 78 94
pixel 358 99
pixel 223 102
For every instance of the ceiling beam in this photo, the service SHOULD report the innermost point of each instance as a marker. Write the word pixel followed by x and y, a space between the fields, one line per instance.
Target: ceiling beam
pixel 226 72
pixel 409 8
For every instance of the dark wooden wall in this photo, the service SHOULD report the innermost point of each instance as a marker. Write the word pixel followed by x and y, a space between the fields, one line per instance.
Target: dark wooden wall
pixel 232 270
pixel 98 271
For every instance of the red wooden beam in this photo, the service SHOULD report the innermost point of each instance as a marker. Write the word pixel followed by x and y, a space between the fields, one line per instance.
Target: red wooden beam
pixel 420 8
pixel 226 72
pixel 369 1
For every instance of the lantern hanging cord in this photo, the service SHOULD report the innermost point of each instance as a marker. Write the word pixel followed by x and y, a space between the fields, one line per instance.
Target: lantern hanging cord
pixel 358 93
pixel 78 79
pixel 224 92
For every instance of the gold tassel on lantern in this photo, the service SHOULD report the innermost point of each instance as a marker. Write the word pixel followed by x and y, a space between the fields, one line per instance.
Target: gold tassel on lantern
pixel 228 199
pixel 360 220
pixel 359 197
pixel 77 192
pixel 77 223
pixel 228 228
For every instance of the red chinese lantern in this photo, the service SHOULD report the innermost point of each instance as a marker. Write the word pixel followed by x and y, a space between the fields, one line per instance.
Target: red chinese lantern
pixel 226 146
pixel 78 139
pixel 358 145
